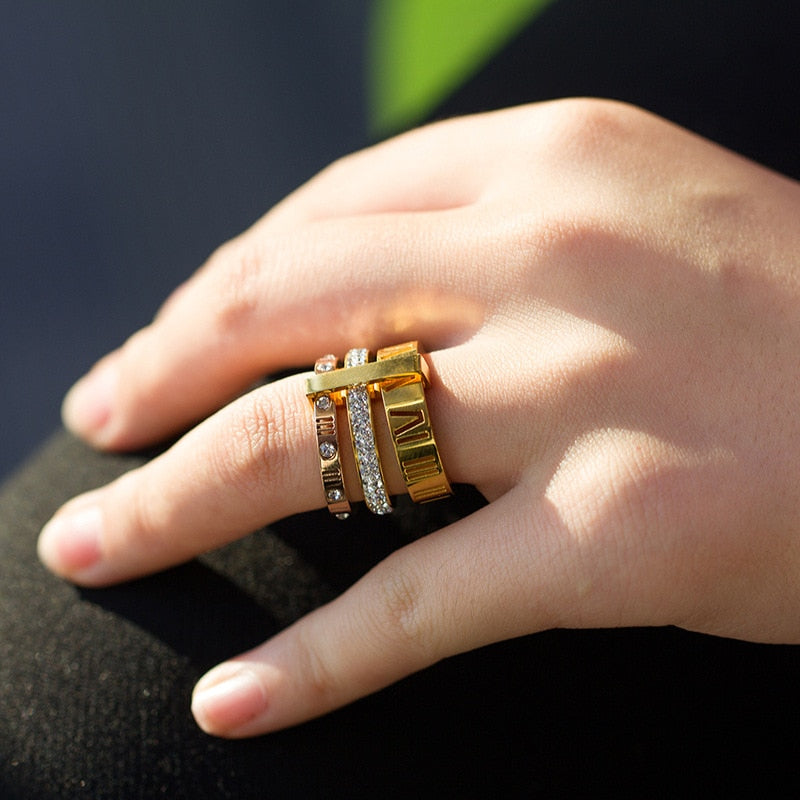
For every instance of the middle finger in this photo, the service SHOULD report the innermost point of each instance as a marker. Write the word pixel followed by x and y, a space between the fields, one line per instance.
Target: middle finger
pixel 263 304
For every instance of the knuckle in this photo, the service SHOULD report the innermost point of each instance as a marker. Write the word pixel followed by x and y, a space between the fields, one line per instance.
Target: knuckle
pixel 580 141
pixel 256 449
pixel 142 517
pixel 235 276
pixel 583 128
pixel 319 674
pixel 402 614
pixel 252 450
pixel 136 367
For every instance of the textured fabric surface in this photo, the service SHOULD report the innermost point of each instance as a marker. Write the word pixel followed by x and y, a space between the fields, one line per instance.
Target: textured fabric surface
pixel 95 685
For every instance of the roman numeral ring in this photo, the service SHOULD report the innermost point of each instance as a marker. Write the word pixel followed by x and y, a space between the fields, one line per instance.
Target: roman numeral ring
pixel 397 377
pixel 328 445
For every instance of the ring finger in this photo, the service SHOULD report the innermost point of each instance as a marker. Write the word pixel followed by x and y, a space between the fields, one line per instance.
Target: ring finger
pixel 250 464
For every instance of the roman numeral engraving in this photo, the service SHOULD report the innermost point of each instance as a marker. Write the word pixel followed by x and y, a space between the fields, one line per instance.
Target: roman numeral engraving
pixel 326 426
pixel 437 492
pixel 407 433
pixel 331 477
pixel 418 469
pixel 416 418
pixel 390 384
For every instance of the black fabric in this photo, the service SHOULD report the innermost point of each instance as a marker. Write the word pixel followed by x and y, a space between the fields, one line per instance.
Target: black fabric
pixel 727 69
pixel 95 685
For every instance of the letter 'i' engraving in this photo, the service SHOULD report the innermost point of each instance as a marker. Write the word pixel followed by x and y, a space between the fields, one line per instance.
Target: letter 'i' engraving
pixel 326 426
pixel 331 477
pixel 418 469
pixel 432 493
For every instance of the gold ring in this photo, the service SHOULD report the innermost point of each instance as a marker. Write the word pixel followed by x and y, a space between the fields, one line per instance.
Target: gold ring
pixel 399 375
pixel 330 464
pixel 362 433
pixel 410 427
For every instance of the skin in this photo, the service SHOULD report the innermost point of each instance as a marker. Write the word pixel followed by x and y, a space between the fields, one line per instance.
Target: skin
pixel 612 310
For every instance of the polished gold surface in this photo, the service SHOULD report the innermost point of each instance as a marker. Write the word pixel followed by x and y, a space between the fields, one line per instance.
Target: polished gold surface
pixel 328 445
pixel 403 366
pixel 399 376
pixel 410 427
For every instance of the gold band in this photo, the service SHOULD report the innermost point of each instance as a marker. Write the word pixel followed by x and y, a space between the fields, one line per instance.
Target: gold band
pixel 328 445
pixel 399 375
pixel 372 373
pixel 410 427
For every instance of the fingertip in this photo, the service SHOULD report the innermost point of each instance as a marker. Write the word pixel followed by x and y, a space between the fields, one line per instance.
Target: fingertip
pixel 87 407
pixel 228 700
pixel 70 544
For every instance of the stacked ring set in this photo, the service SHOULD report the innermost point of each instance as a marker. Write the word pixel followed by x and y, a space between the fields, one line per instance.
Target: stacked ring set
pixel 397 377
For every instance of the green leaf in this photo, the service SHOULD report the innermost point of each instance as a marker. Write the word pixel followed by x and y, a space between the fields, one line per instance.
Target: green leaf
pixel 422 50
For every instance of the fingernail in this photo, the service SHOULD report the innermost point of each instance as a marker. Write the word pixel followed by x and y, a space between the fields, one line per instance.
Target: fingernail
pixel 224 701
pixel 70 542
pixel 87 406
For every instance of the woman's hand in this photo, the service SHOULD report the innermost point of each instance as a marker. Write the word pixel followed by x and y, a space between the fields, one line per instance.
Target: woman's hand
pixel 612 311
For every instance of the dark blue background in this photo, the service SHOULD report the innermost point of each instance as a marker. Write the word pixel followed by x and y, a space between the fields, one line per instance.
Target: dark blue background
pixel 135 138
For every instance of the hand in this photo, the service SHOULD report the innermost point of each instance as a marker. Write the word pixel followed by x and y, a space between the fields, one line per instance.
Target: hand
pixel 612 308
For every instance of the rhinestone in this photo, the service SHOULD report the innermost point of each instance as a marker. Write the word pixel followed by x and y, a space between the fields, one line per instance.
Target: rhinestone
pixel 325 364
pixel 327 450
pixel 343 515
pixel 335 495
pixel 323 402
pixel 358 407
pixel 356 357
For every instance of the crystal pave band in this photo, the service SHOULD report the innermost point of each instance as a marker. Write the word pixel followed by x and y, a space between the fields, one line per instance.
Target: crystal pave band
pixel 328 445
pixel 362 432
pixel 399 377
pixel 410 427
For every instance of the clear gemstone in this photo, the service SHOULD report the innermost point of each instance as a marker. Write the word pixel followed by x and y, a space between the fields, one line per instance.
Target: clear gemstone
pixel 358 406
pixel 335 495
pixel 327 450
pixel 356 357
pixel 325 366
pixel 324 402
